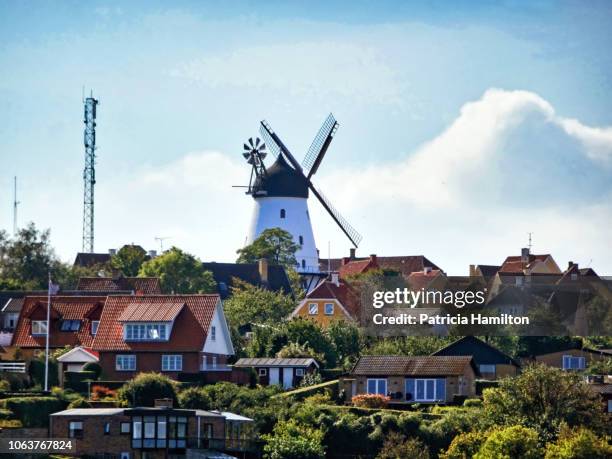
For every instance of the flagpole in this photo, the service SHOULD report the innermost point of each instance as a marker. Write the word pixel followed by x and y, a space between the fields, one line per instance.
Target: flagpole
pixel 47 336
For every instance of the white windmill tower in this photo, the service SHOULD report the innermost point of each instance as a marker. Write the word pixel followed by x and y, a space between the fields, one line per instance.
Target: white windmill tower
pixel 281 195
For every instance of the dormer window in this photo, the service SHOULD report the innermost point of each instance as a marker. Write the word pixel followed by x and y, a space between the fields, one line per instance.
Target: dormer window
pixel 70 325
pixel 94 326
pixel 39 327
pixel 145 332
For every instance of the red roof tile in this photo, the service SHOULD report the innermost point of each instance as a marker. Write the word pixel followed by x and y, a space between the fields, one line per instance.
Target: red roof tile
pixel 83 308
pixel 421 279
pixel 343 292
pixel 515 264
pixel 142 285
pixel 403 264
pixel 357 267
pixel 149 311
pixel 188 332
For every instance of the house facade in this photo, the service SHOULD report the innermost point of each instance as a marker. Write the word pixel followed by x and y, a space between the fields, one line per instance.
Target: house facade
pixel 171 334
pixel 423 379
pixel 287 372
pixel 492 363
pixel 572 359
pixel 139 433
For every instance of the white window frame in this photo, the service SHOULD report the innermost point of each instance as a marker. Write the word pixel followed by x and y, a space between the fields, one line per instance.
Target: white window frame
pixel 172 362
pixel 378 382
pixel 331 312
pixel 570 362
pixel 70 325
pixel 313 309
pixel 424 381
pixel 72 430
pixel 120 358
pixel 299 372
pixel 213 333
pixel 146 331
pixel 95 324
pixel 39 327
pixel 122 430
pixel 214 362
pixel 262 372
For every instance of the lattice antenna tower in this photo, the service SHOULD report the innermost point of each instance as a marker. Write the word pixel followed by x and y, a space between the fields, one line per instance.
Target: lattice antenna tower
pixel 89 173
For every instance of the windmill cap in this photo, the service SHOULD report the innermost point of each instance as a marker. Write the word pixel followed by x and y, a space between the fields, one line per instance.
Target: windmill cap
pixel 281 180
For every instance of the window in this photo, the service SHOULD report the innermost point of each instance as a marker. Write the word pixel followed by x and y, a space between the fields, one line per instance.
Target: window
pixel 313 309
pixel 282 213
pixel 303 263
pixel 172 362
pixel 125 428
pixel 518 280
pixel 94 326
pixel 76 429
pixel 262 371
pixel 377 386
pixel 574 276
pixel 11 321
pixel 145 332
pixel 329 309
pixel 70 325
pixel 125 455
pixel 301 239
pixel 426 390
pixel 487 368
pixel 125 362
pixel 107 428
pixel 39 327
pixel 299 372
pixel 213 333
pixel 610 406
pixel 573 363
pixel 214 361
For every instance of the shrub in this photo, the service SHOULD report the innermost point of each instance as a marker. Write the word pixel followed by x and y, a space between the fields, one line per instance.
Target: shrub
pixel 464 445
pixel 36 370
pixel 472 402
pixel 194 398
pixel 102 393
pixel 397 446
pixel 10 424
pixel 78 380
pixel 370 401
pixel 79 403
pixel 145 388
pixel 6 414
pixel 579 444
pixel 33 411
pixel 311 379
pixel 5 386
pixel 93 367
pixel 291 440
pixel 516 442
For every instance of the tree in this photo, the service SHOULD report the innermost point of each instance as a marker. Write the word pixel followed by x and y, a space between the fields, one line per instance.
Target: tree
pixel 295 350
pixel 291 440
pixel 145 388
pixel 194 398
pixel 346 339
pixel 179 272
pixel 464 445
pixel 516 442
pixel 544 398
pixel 129 259
pixel 396 446
pixel 579 443
pixel 255 305
pixel 275 245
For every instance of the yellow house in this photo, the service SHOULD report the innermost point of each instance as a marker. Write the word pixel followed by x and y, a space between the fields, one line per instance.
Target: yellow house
pixel 331 300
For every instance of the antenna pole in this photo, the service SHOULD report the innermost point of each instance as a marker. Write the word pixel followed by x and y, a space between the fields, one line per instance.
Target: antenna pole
pixel 89 173
pixel 529 244
pixel 15 204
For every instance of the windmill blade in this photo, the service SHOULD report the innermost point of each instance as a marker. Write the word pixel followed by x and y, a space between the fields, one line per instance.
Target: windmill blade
pixel 278 143
pixel 268 140
pixel 319 146
pixel 345 226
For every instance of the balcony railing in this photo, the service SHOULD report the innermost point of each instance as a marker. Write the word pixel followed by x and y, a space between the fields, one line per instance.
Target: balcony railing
pixel 215 368
pixel 224 444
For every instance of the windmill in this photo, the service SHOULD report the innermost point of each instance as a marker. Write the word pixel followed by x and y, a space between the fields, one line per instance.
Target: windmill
pixel 281 193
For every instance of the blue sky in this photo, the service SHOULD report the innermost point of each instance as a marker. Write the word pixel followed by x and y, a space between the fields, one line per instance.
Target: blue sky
pixel 463 126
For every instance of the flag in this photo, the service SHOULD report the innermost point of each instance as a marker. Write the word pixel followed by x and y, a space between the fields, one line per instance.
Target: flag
pixel 53 288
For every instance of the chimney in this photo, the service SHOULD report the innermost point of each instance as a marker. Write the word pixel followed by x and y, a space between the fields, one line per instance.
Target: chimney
pixel 570 264
pixel 263 270
pixel 345 260
pixel 335 278
pixel 352 256
pixel 525 255
pixel 162 403
pixel 472 270
pixel 373 259
pixel 112 252
pixel 152 253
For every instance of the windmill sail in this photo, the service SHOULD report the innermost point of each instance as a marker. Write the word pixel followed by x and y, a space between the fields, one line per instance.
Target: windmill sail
pixel 345 226
pixel 268 140
pixel 319 146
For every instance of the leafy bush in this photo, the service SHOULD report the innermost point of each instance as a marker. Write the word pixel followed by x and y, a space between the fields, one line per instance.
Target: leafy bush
pixel 5 386
pixel 311 379
pixel 464 445
pixel 66 395
pixel 102 393
pixel 145 388
pixel 36 370
pixel 93 367
pixel 17 381
pixel 78 380
pixel 10 424
pixel 79 403
pixel 516 442
pixel 291 440
pixel 473 402
pixel 370 401
pixel 194 398
pixel 33 411
pixel 579 444
pixel 397 446
pixel 6 414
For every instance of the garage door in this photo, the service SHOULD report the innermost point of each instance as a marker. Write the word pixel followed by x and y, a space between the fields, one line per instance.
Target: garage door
pixel 287 378
pixel 274 376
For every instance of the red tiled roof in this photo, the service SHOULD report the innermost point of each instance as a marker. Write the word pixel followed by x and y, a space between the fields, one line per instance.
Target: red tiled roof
pixel 399 365
pixel 83 308
pixel 342 292
pixel 514 264
pixel 403 264
pixel 188 332
pixel 357 267
pixel 422 279
pixel 148 311
pixel 143 285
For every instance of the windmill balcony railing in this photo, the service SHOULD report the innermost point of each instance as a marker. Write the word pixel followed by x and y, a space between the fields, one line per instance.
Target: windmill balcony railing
pixel 219 367
pixel 223 444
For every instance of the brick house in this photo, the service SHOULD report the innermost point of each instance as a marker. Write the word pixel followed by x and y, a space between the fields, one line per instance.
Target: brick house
pixel 74 321
pixel 159 432
pixel 571 359
pixel 137 285
pixel 491 362
pixel 171 334
pixel 423 379
pixel 287 372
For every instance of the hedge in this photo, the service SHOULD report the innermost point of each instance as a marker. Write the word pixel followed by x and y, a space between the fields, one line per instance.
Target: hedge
pixel 33 411
pixel 36 370
pixel 77 380
pixel 482 384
